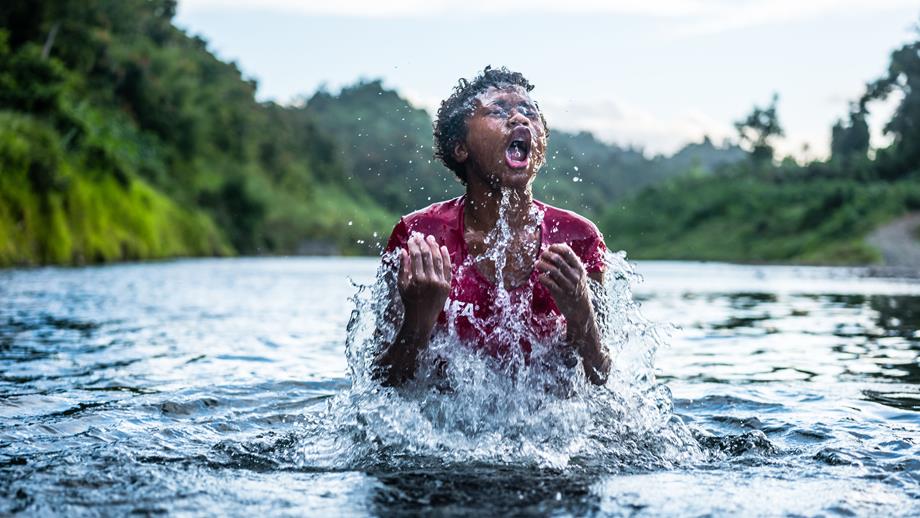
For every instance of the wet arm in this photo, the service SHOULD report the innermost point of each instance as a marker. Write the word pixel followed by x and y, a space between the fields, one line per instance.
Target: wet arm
pixel 423 284
pixel 583 335
pixel 565 277
pixel 397 361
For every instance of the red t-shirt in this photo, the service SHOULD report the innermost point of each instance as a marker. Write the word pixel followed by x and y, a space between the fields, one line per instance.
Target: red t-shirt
pixel 475 314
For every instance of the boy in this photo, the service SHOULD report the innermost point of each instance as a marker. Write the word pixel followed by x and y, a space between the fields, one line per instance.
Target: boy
pixel 495 242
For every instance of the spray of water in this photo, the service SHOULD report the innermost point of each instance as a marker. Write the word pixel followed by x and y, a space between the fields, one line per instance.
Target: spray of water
pixel 468 407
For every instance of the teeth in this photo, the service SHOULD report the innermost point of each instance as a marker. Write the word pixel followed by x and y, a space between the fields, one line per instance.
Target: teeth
pixel 517 151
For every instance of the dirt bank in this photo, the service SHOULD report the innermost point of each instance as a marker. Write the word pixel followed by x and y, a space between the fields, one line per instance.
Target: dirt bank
pixel 898 243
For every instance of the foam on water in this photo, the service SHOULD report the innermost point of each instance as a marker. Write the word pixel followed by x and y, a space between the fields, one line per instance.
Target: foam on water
pixel 468 407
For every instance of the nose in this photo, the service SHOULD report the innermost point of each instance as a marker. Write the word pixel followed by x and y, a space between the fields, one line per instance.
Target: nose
pixel 517 118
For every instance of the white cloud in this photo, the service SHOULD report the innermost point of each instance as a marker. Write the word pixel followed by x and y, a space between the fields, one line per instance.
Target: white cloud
pixel 429 103
pixel 420 8
pixel 693 17
pixel 625 124
pixel 740 15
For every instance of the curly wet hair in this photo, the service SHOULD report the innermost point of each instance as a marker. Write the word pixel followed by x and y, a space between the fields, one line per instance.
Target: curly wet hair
pixel 450 125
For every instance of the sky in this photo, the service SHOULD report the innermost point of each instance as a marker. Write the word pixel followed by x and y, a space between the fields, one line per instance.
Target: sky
pixel 651 74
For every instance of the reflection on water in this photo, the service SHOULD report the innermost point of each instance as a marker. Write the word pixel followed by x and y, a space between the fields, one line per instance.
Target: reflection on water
pixel 190 386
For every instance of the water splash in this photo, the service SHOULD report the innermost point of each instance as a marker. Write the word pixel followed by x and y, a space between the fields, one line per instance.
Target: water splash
pixel 464 406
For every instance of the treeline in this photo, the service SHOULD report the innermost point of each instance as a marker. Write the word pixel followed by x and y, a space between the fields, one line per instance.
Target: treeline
pixel 123 137
pixel 761 210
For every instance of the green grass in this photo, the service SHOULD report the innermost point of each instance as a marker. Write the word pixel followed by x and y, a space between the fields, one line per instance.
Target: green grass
pixel 748 219
pixel 52 213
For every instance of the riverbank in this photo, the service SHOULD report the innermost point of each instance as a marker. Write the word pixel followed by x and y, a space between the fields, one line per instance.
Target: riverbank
pixel 897 242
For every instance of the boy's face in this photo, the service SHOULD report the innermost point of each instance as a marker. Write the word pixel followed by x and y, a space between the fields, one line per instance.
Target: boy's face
pixel 505 141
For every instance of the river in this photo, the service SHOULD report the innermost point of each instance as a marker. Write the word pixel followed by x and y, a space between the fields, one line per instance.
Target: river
pixel 197 386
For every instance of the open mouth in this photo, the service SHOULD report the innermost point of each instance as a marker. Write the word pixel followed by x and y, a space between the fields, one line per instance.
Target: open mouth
pixel 518 151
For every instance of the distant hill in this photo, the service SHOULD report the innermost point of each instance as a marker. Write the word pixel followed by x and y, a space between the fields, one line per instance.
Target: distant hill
pixel 386 145
pixel 587 175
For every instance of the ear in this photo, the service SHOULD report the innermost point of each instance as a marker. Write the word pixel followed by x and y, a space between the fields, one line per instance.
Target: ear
pixel 460 152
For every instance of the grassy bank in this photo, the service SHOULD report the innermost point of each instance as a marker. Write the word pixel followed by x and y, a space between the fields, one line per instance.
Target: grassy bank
pixel 750 219
pixel 52 212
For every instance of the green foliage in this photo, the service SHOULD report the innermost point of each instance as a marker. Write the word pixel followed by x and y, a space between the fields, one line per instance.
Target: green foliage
pixel 903 77
pixel 386 145
pixel 120 99
pixel 51 214
pixel 122 137
pixel 29 82
pixel 758 129
pixel 586 175
pixel 757 211
pixel 750 219
pixel 850 140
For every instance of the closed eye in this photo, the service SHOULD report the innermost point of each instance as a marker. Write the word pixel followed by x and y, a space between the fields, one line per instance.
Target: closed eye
pixel 528 110
pixel 498 111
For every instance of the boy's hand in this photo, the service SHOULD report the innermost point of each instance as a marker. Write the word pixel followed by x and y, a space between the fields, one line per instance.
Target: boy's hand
pixel 564 276
pixel 424 281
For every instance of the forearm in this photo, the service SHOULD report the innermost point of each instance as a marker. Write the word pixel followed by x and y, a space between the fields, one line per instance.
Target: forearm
pixel 424 284
pixel 397 362
pixel 564 275
pixel 583 336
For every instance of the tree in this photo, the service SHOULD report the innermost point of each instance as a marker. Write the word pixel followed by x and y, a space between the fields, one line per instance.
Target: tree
pixel 903 76
pixel 758 128
pixel 850 139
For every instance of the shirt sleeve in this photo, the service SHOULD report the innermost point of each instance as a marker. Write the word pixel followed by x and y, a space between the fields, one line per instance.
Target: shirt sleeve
pixel 399 237
pixel 593 252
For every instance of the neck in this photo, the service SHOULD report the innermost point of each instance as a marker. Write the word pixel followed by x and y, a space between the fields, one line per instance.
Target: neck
pixel 483 205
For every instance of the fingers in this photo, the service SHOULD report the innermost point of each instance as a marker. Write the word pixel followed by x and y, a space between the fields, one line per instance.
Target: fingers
pixel 404 265
pixel 568 255
pixel 434 251
pixel 555 263
pixel 445 263
pixel 425 253
pixel 554 289
pixel 415 254
pixel 427 259
pixel 549 269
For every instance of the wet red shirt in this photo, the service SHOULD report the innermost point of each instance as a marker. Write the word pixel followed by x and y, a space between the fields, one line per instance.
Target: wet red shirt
pixel 478 312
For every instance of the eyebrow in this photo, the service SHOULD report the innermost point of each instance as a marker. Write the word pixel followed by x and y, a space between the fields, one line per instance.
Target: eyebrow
pixel 504 104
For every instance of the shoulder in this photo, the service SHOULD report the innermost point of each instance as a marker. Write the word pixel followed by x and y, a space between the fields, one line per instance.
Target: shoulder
pixel 567 226
pixel 579 232
pixel 434 215
pixel 440 220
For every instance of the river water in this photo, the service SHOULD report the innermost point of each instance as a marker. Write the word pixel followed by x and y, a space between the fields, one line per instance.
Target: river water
pixel 222 387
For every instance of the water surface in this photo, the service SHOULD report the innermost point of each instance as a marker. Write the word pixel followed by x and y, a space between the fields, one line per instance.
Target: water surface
pixel 199 387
